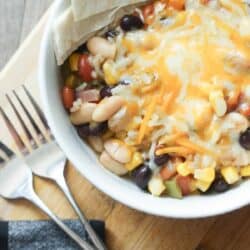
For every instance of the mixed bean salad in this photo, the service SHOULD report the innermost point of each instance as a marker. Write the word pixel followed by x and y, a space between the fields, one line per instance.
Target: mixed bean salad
pixel 163 96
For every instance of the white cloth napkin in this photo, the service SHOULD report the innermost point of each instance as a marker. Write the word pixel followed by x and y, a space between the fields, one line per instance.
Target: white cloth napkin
pixel 21 69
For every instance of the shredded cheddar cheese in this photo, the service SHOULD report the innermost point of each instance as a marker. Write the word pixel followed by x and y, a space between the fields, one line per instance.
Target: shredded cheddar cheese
pixel 185 142
pixel 177 89
pixel 143 126
pixel 183 151
pixel 183 67
pixel 166 139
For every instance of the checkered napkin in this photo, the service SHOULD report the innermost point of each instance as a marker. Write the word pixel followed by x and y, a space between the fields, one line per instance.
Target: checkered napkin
pixel 39 235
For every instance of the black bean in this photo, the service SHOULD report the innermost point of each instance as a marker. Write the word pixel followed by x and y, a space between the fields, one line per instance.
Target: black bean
pixel 92 129
pixel 105 92
pixel 131 22
pixel 97 129
pixel 83 130
pixel 244 139
pixel 141 176
pixel 161 159
pixel 82 49
pixel 111 33
pixel 220 186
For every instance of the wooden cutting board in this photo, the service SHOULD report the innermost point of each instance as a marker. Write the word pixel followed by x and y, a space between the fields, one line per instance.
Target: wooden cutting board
pixel 126 228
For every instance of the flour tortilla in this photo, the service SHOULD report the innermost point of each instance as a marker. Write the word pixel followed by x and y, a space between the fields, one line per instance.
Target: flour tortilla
pixel 83 9
pixel 68 35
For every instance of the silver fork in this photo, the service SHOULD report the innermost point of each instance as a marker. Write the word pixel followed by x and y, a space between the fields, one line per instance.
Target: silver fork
pixel 41 142
pixel 16 182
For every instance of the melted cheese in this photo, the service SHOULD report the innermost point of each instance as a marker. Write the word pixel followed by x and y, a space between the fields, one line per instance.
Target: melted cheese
pixel 149 112
pixel 202 49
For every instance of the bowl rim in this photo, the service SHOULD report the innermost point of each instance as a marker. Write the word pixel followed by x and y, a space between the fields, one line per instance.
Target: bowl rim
pixel 166 207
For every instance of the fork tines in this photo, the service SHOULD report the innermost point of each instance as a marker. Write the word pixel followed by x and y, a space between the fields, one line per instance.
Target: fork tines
pixel 16 137
pixel 6 150
pixel 36 106
pixel 31 119
pixel 27 132
pixel 5 153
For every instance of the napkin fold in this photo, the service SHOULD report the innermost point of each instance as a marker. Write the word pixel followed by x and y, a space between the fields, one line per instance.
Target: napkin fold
pixel 39 235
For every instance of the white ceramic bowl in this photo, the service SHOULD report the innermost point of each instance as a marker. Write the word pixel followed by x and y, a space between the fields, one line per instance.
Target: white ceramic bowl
pixel 87 163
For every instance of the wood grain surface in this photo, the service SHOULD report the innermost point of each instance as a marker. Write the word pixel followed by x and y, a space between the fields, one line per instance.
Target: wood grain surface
pixel 127 229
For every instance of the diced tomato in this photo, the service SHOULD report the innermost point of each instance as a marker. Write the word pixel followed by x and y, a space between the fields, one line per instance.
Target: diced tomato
pixel 185 183
pixel 232 100
pixel 90 95
pixel 167 173
pixel 177 4
pixel 244 109
pixel 84 68
pixel 68 96
pixel 204 2
pixel 147 12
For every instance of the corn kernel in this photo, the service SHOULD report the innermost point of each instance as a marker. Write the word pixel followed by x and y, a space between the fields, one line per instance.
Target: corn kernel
pixel 205 174
pixel 244 27
pixel 72 81
pixel 184 169
pixel 109 134
pixel 193 186
pixel 156 186
pixel 230 174
pixel 73 62
pixel 110 75
pixel 245 171
pixel 121 135
pixel 136 161
pixel 202 185
pixel 216 99
pixel 202 116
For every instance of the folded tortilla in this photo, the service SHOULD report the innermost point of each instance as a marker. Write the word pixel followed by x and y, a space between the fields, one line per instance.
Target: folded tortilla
pixel 82 9
pixel 68 34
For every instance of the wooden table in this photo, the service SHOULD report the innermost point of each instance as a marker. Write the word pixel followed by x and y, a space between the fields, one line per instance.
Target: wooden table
pixel 126 228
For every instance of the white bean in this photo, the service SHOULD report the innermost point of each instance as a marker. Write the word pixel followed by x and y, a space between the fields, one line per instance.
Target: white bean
pixel 234 123
pixel 218 102
pixel 114 166
pixel 96 143
pixel 101 46
pixel 119 120
pixel 107 107
pixel 83 114
pixel 118 150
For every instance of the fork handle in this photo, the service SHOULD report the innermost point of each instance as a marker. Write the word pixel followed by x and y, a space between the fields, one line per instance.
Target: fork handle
pixel 93 236
pixel 39 203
